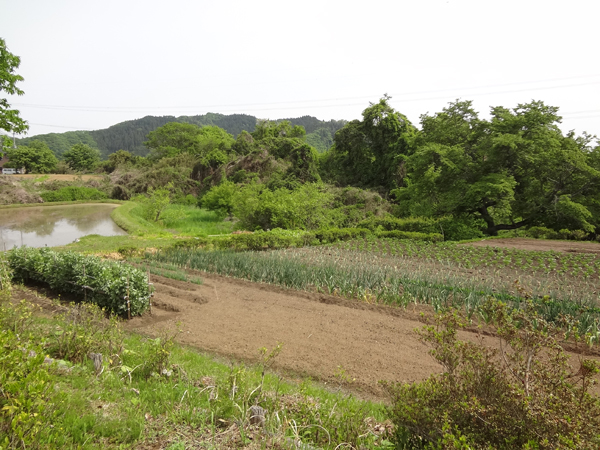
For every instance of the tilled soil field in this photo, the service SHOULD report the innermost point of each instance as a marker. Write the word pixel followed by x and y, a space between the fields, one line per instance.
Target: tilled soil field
pixel 327 338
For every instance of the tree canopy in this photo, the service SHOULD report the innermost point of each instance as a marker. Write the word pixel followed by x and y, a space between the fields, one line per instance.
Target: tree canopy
pixel 35 158
pixel 82 157
pixel 513 170
pixel 10 119
pixel 372 152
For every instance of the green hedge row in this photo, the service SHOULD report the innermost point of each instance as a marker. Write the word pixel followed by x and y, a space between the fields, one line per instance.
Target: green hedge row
pixel 73 193
pixel 278 238
pixel 105 283
pixel 412 235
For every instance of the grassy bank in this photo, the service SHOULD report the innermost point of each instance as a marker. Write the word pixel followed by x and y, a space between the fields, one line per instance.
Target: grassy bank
pixel 77 202
pixel 152 393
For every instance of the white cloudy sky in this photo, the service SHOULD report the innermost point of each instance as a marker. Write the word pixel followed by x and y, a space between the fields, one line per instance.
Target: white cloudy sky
pixel 89 64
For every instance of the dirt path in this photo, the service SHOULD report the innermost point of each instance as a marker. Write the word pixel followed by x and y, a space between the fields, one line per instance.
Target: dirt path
pixel 54 176
pixel 540 244
pixel 324 337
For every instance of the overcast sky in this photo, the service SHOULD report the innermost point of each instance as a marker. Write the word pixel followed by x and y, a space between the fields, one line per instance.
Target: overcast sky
pixel 90 64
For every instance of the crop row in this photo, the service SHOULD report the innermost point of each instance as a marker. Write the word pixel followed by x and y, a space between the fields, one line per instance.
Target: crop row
pixel 368 281
pixel 119 288
pixel 586 265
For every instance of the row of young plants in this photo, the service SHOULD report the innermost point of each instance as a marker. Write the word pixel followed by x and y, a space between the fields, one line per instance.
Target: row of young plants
pixel 374 282
pixel 116 287
pixel 586 265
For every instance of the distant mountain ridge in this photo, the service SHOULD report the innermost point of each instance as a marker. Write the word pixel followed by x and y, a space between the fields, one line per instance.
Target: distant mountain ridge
pixel 130 135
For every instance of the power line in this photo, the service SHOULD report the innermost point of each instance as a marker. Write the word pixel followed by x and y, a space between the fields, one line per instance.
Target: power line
pixel 271 105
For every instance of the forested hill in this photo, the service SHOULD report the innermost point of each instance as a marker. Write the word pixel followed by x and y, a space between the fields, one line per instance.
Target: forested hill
pixel 130 135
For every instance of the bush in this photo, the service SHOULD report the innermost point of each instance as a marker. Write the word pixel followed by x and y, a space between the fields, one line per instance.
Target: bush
pixel 73 193
pixel 105 283
pixel 341 234
pixel 541 233
pixel 412 235
pixel 449 227
pixel 520 394
pixel 267 240
pixel 220 199
pixel 413 224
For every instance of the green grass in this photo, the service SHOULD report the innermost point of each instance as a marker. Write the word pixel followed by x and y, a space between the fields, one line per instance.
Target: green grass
pixel 153 393
pixel 127 217
pixel 196 222
pixel 95 243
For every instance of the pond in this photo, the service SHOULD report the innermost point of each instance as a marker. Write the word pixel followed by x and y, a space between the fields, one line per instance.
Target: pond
pixel 52 226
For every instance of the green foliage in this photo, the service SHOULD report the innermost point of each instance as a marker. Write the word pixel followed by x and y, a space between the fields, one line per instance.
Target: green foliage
pixel 73 193
pixel 520 394
pixel 85 329
pixel 155 203
pixel 120 158
pixel 82 157
pixel 125 217
pixel 412 235
pixel 10 120
pixel 35 158
pixel 60 143
pixel 220 199
pixel 25 394
pixel 105 283
pixel 306 207
pixel 371 152
pixel 514 170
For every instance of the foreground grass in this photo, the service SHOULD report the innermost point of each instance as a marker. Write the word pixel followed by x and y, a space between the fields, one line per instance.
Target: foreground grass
pixel 153 393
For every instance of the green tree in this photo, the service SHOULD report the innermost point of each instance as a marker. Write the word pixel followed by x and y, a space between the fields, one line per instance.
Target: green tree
pixel 172 139
pixel 36 157
pixel 372 152
pixel 155 204
pixel 10 119
pixel 120 158
pixel 220 198
pixel 514 170
pixel 82 157
pixel 307 207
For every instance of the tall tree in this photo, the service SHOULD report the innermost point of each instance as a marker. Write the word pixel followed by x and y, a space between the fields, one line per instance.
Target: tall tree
pixel 35 157
pixel 514 170
pixel 371 152
pixel 172 139
pixel 10 120
pixel 82 157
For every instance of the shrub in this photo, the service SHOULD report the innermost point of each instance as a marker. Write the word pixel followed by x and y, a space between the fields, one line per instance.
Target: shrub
pixel 413 235
pixel 341 234
pixel 522 393
pixel 220 199
pixel 541 233
pixel 105 283
pixel 73 193
pixel 266 240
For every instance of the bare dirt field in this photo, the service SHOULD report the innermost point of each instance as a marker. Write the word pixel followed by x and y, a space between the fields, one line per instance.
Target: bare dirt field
pixel 60 177
pixel 540 244
pixel 324 337
pixel 339 342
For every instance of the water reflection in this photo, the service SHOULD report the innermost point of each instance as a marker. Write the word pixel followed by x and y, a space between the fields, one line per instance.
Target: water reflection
pixel 55 225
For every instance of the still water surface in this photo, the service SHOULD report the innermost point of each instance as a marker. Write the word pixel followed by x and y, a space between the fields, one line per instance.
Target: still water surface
pixel 55 225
